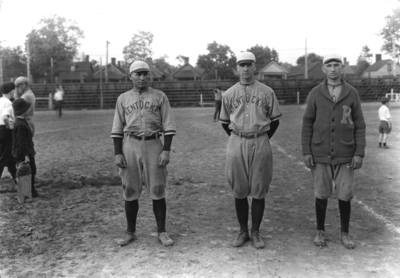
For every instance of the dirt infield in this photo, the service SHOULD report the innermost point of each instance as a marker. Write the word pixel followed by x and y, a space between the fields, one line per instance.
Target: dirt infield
pixel 72 229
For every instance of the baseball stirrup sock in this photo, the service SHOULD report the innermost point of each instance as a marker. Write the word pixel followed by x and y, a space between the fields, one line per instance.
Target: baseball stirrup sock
pixel 320 210
pixel 257 213
pixel 345 209
pixel 160 212
pixel 131 211
pixel 242 213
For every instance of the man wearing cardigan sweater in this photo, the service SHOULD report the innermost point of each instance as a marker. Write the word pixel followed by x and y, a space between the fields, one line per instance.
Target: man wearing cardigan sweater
pixel 333 144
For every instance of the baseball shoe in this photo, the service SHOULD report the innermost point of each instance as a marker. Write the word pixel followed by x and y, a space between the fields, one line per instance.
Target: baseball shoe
pixel 386 147
pixel 35 194
pixel 345 237
pixel 379 146
pixel 320 238
pixel 165 239
pixel 257 240
pixel 128 237
pixel 241 239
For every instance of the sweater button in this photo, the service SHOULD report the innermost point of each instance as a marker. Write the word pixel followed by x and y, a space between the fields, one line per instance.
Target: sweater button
pixel 333 119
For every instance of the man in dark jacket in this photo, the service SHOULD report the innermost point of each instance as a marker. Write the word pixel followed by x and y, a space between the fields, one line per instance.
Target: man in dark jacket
pixel 333 143
pixel 22 147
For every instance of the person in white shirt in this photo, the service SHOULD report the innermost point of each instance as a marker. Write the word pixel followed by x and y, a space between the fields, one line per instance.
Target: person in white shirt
pixel 385 125
pixel 58 97
pixel 6 126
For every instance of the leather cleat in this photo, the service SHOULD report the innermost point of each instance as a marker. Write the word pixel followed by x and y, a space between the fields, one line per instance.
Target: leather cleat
pixel 241 239
pixel 386 147
pixel 128 237
pixel 165 239
pixel 35 194
pixel 345 237
pixel 257 240
pixel 320 238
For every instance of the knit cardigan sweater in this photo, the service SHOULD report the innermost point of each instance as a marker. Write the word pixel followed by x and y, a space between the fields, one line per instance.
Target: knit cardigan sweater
pixel 22 144
pixel 333 133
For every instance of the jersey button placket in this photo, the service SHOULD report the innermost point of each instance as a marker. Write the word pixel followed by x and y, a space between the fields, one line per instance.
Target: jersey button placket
pixel 246 109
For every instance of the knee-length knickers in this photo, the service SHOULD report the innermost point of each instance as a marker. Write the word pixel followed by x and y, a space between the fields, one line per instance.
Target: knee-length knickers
pixel 249 166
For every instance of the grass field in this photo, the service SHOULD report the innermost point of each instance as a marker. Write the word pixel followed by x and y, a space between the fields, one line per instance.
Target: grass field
pixel 72 229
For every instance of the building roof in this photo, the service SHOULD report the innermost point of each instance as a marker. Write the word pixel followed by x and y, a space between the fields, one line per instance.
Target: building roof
pixel 186 71
pixel 79 66
pixel 300 70
pixel 273 67
pixel 71 75
pixel 378 65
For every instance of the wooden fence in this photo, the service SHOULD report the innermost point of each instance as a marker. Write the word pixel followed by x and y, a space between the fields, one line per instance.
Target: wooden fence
pixel 187 93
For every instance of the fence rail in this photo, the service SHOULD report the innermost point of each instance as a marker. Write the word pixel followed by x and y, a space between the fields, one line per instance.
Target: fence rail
pixel 187 93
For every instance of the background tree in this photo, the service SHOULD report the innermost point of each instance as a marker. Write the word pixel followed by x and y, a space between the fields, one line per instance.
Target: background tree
pixel 220 58
pixel 162 65
pixel 365 55
pixel 14 62
pixel 275 55
pixel 55 37
pixel 311 58
pixel 139 48
pixel 391 28
pixel 363 61
pixel 263 54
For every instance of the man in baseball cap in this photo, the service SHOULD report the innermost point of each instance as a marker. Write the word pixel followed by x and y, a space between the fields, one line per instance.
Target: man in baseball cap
pixel 139 66
pixel 332 57
pixel 245 57
pixel 25 92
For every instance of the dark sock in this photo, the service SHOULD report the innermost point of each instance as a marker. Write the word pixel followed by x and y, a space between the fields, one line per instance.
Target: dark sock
pixel 320 211
pixel 257 213
pixel 160 212
pixel 345 209
pixel 242 213
pixel 131 211
pixel 380 144
pixel 384 144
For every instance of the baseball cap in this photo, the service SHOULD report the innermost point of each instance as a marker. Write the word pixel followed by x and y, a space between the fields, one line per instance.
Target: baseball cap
pixel 332 57
pixel 7 87
pixel 138 66
pixel 245 56
pixel 21 80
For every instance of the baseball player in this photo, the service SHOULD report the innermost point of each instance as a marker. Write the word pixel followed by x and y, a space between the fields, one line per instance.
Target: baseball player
pixel 142 114
pixel 23 91
pixel 385 124
pixel 250 115
pixel 333 143
pixel 218 102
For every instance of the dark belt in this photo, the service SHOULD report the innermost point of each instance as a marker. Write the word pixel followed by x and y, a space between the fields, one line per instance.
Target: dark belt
pixel 249 135
pixel 151 137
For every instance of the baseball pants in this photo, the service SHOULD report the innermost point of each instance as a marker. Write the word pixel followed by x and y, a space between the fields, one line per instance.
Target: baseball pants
pixel 249 166
pixel 142 169
pixel 333 179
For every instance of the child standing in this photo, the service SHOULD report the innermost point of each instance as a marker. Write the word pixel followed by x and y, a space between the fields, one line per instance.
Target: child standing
pixel 22 147
pixel 385 126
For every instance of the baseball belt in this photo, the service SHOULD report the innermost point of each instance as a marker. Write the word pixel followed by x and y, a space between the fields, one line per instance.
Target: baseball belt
pixel 151 137
pixel 249 135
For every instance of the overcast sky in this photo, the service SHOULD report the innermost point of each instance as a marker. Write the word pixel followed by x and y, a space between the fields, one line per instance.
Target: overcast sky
pixel 186 27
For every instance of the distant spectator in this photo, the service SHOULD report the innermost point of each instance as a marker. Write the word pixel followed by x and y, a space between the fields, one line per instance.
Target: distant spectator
pixel 23 91
pixel 6 126
pixel 218 102
pixel 58 97
pixel 385 125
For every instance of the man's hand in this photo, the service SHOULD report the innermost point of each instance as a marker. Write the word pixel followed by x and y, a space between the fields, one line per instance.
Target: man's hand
pixel 356 162
pixel 163 159
pixel 308 161
pixel 120 161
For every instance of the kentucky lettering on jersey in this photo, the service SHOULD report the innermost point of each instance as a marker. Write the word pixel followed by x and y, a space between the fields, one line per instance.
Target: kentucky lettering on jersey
pixel 143 114
pixel 249 108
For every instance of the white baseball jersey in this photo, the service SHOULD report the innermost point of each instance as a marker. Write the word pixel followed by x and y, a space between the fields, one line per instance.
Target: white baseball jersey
pixel 143 114
pixel 249 108
pixel 384 113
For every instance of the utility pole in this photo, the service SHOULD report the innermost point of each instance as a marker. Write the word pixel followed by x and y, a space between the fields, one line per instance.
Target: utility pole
pixel 394 54
pixel 306 63
pixel 28 56
pixel 107 43
pixel 52 70
pixel 1 69
pixel 101 87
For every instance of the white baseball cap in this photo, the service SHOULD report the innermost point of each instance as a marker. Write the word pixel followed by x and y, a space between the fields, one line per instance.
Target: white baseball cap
pixel 332 57
pixel 245 56
pixel 138 66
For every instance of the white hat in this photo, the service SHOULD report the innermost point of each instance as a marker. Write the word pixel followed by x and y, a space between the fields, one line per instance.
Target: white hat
pixel 245 56
pixel 138 66
pixel 332 57
pixel 21 80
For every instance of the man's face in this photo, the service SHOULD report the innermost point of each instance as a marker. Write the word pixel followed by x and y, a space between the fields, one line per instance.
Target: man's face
pixel 246 70
pixel 140 79
pixel 333 69
pixel 20 89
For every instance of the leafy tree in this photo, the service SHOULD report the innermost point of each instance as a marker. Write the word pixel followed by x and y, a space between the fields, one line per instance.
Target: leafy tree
pixel 139 48
pixel 391 28
pixel 14 62
pixel 220 58
pixel 275 55
pixel 365 54
pixel 263 54
pixel 311 58
pixel 55 37
pixel 181 59
pixel 162 65
pixel 362 65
